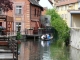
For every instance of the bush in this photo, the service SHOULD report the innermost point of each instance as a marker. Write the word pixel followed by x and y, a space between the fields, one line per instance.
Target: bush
pixel 60 26
pixel 19 36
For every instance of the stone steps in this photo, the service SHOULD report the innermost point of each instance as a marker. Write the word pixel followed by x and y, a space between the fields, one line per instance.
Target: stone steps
pixel 6 56
pixel 8 47
pixel 6 53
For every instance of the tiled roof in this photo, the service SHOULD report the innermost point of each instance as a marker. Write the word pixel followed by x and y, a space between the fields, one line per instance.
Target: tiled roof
pixel 65 2
pixel 35 3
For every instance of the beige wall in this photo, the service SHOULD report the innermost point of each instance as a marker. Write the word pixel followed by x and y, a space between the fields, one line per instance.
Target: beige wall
pixel 76 20
pixel 64 11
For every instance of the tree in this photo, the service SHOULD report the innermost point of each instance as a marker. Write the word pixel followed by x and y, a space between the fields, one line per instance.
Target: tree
pixel 6 5
pixel 60 26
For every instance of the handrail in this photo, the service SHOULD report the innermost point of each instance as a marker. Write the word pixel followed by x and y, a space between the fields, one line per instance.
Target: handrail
pixel 13 45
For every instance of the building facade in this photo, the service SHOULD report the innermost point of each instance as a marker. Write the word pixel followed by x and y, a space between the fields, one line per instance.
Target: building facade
pixel 64 8
pixel 26 15
pixel 69 10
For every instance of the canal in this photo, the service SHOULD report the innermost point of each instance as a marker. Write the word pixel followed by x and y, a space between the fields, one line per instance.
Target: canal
pixel 43 50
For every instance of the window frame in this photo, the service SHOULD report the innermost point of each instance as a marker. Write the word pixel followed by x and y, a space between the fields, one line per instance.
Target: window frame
pixel 18 13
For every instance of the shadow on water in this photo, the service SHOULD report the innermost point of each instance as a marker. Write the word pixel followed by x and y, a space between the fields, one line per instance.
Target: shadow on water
pixel 42 50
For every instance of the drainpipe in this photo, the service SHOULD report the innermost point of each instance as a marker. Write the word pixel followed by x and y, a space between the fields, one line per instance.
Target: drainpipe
pixel 70 20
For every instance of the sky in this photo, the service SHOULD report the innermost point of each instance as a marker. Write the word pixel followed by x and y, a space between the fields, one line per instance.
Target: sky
pixel 45 3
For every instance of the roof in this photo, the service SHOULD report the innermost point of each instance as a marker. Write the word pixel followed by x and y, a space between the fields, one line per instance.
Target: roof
pixel 50 1
pixel 62 3
pixel 35 3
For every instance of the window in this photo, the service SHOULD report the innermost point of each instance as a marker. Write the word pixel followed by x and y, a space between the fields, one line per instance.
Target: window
pixel 65 16
pixel 18 24
pixel 59 8
pixel 46 20
pixel 79 5
pixel 39 12
pixel 64 8
pixel 18 10
pixel 1 11
pixel 35 12
pixel 62 15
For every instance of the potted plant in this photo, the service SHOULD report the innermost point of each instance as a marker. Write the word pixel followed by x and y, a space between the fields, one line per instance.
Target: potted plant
pixel 19 37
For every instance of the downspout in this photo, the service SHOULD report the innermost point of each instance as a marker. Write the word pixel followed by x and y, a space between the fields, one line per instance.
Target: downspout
pixel 70 20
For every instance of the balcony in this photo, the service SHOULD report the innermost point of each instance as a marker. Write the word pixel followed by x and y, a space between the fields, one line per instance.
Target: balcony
pixel 3 16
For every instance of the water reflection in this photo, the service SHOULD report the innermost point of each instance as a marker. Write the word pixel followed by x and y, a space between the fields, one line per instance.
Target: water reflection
pixel 45 50
pixel 45 43
pixel 40 50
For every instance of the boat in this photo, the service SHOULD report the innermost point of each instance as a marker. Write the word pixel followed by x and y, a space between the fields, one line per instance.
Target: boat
pixel 46 37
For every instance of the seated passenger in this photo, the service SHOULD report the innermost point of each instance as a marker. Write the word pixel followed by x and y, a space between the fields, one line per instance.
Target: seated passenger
pixel 43 37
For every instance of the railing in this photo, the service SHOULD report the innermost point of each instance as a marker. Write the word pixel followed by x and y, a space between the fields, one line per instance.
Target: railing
pixel 30 31
pixel 13 33
pixel 13 46
pixel 39 31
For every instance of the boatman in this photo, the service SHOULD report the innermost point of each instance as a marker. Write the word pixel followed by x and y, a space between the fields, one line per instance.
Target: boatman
pixel 48 36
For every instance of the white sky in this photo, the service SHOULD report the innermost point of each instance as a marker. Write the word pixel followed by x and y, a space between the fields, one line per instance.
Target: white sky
pixel 45 3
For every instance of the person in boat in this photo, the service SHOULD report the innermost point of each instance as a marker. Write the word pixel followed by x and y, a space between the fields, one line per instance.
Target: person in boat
pixel 43 36
pixel 48 36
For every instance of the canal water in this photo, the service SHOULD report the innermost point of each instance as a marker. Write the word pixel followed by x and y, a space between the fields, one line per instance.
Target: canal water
pixel 40 50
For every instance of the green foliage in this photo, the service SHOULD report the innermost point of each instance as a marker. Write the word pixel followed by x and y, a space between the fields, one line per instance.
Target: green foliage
pixel 58 53
pixel 60 26
pixel 53 14
pixel 19 36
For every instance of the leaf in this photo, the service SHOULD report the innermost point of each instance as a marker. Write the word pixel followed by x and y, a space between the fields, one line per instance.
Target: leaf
pixel 6 5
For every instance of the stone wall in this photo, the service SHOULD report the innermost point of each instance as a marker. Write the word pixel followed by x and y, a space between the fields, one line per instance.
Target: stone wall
pixel 75 37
